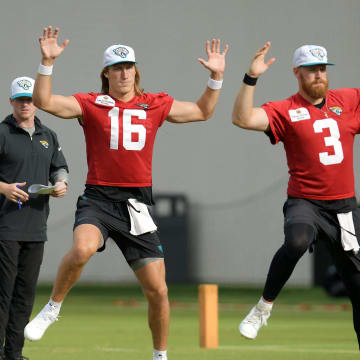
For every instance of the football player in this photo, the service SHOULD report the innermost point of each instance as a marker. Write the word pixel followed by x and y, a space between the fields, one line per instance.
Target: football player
pixel 120 125
pixel 317 127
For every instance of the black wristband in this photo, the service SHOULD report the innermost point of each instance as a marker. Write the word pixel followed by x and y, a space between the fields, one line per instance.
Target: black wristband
pixel 249 80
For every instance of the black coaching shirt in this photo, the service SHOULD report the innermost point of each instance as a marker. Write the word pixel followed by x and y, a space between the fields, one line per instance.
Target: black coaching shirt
pixel 31 160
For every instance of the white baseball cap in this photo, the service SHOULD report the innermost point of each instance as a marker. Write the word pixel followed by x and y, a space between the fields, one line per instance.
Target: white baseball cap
pixel 308 55
pixel 118 53
pixel 22 86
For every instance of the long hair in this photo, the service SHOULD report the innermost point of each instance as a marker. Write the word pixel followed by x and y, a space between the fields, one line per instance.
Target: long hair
pixel 105 81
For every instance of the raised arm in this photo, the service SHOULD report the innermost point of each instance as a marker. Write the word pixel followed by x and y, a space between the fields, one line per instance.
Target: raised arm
pixel 65 107
pixel 203 109
pixel 245 115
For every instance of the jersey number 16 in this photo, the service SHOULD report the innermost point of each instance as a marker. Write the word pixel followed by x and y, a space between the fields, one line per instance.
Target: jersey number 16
pixel 128 129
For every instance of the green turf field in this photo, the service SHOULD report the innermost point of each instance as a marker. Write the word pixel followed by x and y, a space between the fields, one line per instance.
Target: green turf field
pixel 109 323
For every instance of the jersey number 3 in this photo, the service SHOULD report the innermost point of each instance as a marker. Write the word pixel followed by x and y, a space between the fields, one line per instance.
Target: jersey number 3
pixel 128 129
pixel 332 140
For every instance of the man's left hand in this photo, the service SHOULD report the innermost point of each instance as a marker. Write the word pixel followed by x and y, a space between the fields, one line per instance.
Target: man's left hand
pixel 216 59
pixel 60 190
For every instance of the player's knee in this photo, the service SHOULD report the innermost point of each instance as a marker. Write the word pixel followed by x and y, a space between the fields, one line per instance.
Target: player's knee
pixel 82 253
pixel 298 238
pixel 157 294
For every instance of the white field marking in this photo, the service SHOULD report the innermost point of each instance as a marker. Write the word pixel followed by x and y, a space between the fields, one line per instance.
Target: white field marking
pixel 58 349
pixel 288 349
pixel 113 349
pixel 98 348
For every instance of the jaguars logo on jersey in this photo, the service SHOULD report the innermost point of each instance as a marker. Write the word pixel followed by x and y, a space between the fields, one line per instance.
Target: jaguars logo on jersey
pixel 44 143
pixel 336 109
pixel 144 106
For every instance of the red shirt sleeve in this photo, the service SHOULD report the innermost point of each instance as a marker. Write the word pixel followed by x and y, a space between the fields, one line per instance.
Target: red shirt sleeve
pixel 350 102
pixel 352 97
pixel 82 99
pixel 164 101
pixel 275 113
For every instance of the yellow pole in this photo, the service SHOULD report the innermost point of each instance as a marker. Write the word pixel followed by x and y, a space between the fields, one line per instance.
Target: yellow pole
pixel 209 316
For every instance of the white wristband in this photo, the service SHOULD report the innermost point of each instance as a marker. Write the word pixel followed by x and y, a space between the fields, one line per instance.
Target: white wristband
pixel 214 84
pixel 45 70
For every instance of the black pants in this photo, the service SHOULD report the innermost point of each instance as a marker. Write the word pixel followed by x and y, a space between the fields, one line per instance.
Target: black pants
pixel 19 271
pixel 305 224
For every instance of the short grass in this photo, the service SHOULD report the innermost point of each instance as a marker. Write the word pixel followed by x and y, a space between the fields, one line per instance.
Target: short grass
pixel 109 322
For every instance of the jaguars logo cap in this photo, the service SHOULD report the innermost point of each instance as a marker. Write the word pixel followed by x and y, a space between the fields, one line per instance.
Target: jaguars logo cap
pixel 309 55
pixel 22 87
pixel 117 54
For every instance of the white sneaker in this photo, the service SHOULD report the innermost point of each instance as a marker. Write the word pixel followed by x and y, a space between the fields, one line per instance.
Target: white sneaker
pixel 256 318
pixel 36 328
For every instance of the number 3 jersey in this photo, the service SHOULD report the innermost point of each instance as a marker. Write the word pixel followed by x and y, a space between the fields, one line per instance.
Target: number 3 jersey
pixel 120 137
pixel 318 143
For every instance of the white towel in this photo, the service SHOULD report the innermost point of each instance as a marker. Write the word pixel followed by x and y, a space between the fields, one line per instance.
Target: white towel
pixel 140 219
pixel 348 238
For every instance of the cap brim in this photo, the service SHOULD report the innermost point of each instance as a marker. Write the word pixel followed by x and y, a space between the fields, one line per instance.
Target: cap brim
pixel 21 95
pixel 317 63
pixel 117 62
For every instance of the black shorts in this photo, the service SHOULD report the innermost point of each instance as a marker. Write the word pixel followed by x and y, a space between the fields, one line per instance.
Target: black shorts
pixel 112 219
pixel 326 226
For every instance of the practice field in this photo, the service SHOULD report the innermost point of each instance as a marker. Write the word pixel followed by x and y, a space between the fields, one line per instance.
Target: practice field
pixel 109 322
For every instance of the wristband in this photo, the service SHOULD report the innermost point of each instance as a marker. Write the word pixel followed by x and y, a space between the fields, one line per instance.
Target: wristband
pixel 214 84
pixel 249 80
pixel 45 70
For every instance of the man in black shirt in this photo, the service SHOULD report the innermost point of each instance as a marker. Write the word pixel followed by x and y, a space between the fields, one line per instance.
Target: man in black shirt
pixel 29 154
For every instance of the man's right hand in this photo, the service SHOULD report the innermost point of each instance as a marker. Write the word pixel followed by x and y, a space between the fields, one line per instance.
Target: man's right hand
pixel 50 49
pixel 258 65
pixel 13 192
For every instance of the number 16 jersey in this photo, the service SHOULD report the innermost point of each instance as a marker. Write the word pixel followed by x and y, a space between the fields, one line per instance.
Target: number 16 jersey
pixel 318 143
pixel 120 137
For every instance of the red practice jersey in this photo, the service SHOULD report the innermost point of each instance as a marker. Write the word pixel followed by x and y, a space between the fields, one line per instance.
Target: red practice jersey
pixel 120 137
pixel 318 143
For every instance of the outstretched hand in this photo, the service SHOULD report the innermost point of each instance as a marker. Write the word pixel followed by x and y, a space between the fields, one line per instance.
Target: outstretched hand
pixel 258 65
pixel 50 49
pixel 216 59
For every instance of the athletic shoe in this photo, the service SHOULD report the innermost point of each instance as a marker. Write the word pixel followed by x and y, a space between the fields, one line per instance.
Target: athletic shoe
pixel 36 328
pixel 256 318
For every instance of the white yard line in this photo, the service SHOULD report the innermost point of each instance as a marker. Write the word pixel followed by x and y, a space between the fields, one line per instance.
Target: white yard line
pixel 289 349
pixel 115 349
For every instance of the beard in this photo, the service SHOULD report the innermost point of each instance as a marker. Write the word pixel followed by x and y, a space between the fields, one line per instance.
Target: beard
pixel 316 89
